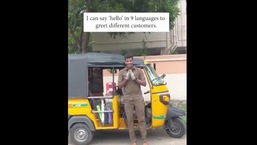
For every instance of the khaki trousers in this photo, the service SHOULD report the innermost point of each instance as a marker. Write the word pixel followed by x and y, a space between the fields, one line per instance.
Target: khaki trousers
pixel 137 101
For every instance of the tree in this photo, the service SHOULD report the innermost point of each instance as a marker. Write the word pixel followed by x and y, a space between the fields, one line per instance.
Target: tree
pixel 79 41
pixel 75 22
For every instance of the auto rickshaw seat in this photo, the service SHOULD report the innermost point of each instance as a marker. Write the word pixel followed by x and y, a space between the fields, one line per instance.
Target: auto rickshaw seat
pixel 93 103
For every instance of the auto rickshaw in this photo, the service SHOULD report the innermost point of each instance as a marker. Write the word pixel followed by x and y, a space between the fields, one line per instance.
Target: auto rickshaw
pixel 90 109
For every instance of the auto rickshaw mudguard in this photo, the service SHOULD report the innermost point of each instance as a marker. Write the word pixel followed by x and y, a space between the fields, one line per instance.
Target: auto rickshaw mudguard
pixel 174 112
pixel 81 119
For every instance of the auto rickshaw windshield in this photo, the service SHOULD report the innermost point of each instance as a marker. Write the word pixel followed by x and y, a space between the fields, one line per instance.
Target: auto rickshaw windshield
pixel 155 79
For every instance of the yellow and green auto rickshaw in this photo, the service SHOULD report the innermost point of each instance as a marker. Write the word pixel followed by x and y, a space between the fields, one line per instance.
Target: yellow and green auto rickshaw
pixel 92 109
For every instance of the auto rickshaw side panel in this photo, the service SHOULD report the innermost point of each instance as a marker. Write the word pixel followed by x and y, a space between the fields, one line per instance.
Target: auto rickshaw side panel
pixel 81 107
pixel 158 107
pixel 159 110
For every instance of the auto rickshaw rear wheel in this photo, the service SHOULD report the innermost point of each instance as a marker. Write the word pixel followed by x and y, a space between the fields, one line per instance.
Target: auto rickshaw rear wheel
pixel 80 134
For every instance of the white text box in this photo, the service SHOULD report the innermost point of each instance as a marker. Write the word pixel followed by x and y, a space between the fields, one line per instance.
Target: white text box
pixel 126 22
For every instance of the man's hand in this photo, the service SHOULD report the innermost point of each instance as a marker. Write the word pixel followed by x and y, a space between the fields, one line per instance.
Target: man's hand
pixel 127 75
pixel 132 75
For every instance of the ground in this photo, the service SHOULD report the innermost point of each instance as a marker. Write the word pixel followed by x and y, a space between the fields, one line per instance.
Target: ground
pixel 155 137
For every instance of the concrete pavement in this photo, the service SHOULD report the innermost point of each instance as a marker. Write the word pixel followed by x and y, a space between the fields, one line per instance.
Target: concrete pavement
pixel 155 137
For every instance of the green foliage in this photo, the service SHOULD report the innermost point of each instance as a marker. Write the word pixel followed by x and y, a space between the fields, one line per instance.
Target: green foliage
pixel 181 105
pixel 75 21
pixel 142 52
pixel 123 52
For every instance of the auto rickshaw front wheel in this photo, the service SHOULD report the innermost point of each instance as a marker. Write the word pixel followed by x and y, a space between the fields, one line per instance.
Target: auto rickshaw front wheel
pixel 175 127
pixel 80 134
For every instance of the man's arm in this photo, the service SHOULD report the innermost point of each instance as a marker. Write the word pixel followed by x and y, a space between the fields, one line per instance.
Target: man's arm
pixel 141 79
pixel 121 82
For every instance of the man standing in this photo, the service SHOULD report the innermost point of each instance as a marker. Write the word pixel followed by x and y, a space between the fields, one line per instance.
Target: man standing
pixel 130 79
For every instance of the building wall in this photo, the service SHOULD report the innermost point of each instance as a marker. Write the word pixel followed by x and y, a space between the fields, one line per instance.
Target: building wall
pixel 103 41
pixel 181 25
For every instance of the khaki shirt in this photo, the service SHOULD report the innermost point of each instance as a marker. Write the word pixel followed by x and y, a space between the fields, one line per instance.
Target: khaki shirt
pixel 131 87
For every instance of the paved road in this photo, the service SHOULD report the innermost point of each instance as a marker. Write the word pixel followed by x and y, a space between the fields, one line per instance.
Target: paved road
pixel 155 137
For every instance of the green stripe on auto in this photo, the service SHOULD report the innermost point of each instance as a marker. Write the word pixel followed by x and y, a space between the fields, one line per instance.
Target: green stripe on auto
pixel 159 117
pixel 84 105
pixel 79 105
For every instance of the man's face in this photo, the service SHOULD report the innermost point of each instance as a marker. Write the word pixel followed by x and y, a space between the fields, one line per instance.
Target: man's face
pixel 129 62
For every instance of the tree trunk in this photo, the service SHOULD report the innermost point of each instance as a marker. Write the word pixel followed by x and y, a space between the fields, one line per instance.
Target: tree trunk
pixel 86 35
pixel 85 42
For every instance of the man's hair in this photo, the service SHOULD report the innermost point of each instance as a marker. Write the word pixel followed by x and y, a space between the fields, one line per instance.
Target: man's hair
pixel 128 56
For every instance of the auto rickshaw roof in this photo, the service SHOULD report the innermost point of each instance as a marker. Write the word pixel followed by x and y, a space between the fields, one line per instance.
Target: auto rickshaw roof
pixel 78 69
pixel 104 59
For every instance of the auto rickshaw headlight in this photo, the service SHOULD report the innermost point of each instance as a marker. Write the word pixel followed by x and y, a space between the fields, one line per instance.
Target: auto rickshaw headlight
pixel 165 99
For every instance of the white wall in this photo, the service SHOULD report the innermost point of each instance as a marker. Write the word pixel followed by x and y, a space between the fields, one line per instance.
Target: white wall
pixel 176 84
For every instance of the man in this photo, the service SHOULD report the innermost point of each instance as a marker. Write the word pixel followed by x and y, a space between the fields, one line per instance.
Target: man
pixel 130 79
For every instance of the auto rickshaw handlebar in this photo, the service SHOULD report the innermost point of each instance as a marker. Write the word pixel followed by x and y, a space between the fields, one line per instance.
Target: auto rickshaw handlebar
pixel 101 97
pixel 106 111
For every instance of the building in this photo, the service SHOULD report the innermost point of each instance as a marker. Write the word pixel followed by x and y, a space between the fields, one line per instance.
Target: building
pixel 155 43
